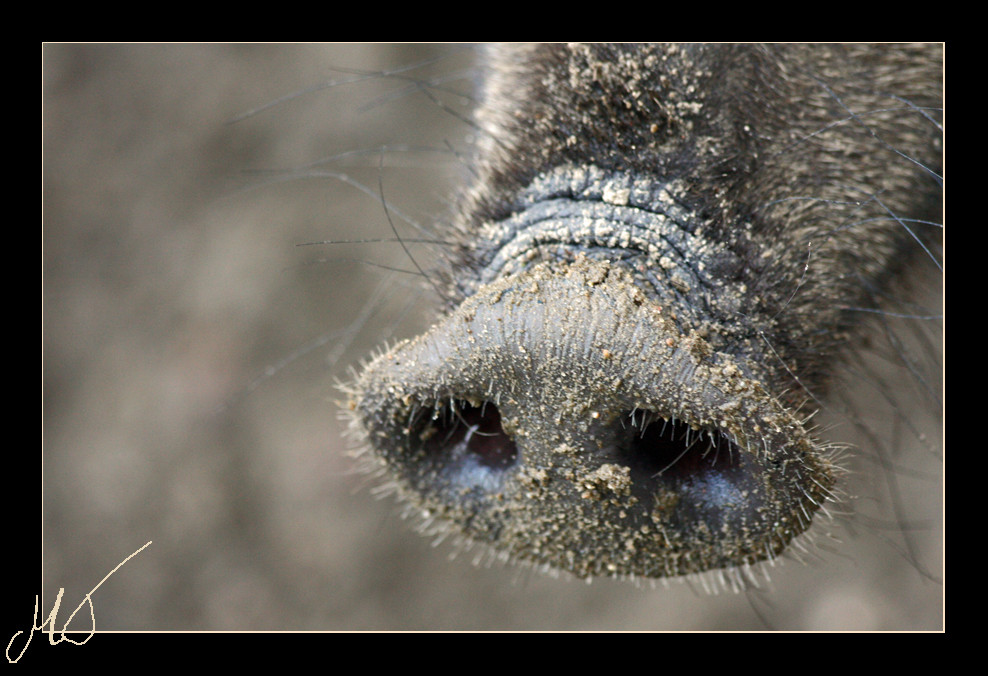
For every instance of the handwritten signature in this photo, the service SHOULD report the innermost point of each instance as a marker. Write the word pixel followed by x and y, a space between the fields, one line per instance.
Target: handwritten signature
pixel 50 622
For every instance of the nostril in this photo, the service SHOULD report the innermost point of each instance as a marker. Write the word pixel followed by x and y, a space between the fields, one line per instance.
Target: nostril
pixel 464 431
pixel 699 479
pixel 455 450
pixel 672 449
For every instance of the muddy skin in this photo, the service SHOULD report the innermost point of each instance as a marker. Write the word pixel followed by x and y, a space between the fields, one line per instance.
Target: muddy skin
pixel 665 252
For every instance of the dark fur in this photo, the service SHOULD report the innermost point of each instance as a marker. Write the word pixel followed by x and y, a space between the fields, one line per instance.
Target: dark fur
pixel 769 140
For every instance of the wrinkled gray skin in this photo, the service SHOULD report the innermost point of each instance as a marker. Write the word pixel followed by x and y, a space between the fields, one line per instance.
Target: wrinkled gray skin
pixel 664 253
pixel 170 296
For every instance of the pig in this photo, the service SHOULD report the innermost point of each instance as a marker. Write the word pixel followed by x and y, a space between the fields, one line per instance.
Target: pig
pixel 664 259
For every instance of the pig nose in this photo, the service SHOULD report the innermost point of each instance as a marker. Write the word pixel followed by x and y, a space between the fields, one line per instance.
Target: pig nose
pixel 562 417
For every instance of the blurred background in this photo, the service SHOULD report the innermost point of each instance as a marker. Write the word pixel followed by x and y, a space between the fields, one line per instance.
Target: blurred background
pixel 191 350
